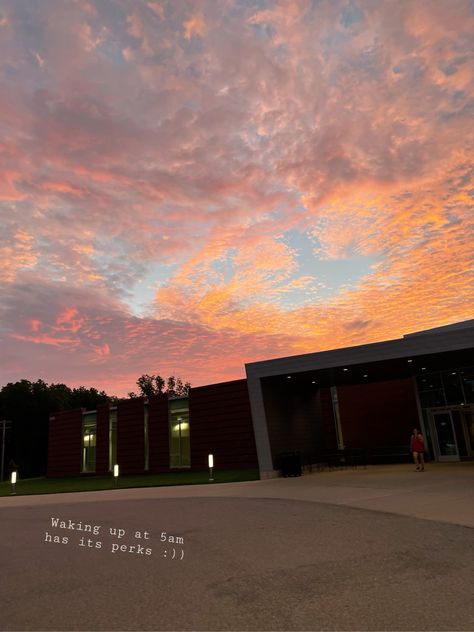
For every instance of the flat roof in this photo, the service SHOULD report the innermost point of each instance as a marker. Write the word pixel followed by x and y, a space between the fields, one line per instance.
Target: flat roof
pixel 457 338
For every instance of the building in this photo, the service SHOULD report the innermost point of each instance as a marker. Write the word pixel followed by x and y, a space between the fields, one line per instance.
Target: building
pixel 156 434
pixel 365 398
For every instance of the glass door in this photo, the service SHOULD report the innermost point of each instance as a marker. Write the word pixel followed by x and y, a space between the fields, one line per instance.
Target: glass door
pixel 445 437
pixel 468 418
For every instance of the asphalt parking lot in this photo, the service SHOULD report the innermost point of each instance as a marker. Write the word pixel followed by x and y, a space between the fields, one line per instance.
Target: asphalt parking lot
pixel 262 555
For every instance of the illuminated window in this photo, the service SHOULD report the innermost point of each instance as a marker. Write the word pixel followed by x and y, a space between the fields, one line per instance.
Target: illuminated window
pixel 89 441
pixel 112 438
pixel 180 447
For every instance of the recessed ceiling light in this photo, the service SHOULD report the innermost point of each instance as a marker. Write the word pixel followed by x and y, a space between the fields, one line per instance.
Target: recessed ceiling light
pixel 423 368
pixel 453 373
pixel 409 360
pixel 365 375
pixel 313 382
pixel 345 369
pixel 288 377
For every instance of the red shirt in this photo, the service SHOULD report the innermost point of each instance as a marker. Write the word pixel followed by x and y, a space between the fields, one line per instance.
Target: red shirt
pixel 417 444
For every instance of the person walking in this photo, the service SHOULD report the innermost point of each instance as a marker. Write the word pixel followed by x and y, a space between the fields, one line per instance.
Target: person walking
pixel 417 447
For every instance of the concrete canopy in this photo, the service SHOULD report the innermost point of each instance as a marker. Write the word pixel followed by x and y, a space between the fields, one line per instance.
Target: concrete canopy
pixel 430 350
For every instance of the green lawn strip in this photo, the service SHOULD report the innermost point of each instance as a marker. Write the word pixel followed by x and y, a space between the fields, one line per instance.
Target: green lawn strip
pixel 94 483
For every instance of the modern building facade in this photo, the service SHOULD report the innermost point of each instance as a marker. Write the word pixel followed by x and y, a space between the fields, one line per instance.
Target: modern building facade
pixel 366 398
pixel 156 434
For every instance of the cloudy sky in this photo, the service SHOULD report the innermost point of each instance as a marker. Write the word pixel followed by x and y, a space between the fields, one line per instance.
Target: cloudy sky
pixel 189 185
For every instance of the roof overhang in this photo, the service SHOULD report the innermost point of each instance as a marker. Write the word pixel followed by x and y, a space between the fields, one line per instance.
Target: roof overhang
pixel 444 347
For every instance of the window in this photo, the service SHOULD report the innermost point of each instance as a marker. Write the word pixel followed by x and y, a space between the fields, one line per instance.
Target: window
pixel 180 447
pixel 337 418
pixel 444 388
pixel 89 441
pixel 452 387
pixel 467 376
pixel 112 438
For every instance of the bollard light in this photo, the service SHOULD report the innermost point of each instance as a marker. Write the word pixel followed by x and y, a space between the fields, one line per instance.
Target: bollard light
pixel 116 474
pixel 210 460
pixel 13 482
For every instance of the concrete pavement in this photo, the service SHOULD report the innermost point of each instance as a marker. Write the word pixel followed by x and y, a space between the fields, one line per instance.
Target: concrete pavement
pixel 283 554
pixel 444 492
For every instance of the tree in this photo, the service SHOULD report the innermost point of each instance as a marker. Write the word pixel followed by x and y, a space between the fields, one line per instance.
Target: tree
pixel 149 385
pixel 28 405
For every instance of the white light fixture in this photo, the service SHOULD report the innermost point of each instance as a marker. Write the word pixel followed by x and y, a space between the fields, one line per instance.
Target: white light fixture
pixel 345 369
pixel 423 368
pixel 313 382
pixel 210 461
pixel 13 482
pixel 116 474
pixel 409 360
pixel 288 377
pixel 366 375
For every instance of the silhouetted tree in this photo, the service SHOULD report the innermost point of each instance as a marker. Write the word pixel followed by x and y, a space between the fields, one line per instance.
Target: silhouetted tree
pixel 28 405
pixel 149 385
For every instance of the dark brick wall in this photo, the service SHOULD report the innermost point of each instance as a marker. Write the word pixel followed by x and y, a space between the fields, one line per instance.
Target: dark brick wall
pixel 298 418
pixel 378 414
pixel 64 445
pixel 328 422
pixel 221 424
pixel 130 436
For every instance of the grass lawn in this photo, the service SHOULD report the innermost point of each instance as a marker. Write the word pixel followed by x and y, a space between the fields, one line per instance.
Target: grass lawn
pixel 93 483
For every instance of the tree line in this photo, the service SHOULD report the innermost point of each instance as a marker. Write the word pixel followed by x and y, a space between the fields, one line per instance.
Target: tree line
pixel 28 405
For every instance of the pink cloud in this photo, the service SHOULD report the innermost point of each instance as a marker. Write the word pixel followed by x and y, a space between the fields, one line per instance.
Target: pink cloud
pixel 194 26
pixel 161 162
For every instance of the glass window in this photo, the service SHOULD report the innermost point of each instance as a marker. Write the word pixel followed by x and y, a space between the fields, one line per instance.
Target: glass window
pixel 432 399
pixel 337 418
pixel 147 443
pixel 180 447
pixel 112 438
pixel 89 441
pixel 467 376
pixel 429 381
pixel 452 387
pixel 430 389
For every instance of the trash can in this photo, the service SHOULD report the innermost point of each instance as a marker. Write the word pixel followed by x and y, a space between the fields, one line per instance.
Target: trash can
pixel 289 463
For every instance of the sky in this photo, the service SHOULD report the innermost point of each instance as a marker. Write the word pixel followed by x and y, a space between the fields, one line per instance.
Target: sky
pixel 190 185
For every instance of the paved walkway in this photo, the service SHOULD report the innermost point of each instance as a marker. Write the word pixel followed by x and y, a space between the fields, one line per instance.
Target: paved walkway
pixel 379 549
pixel 444 492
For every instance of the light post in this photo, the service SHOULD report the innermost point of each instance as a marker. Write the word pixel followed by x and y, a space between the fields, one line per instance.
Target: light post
pixel 13 482
pixel 210 460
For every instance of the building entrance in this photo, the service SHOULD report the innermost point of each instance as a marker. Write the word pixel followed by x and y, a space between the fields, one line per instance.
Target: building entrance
pixel 452 432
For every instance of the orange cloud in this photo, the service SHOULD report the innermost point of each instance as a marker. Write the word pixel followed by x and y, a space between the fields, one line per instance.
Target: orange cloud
pixel 194 26
pixel 189 175
pixel 156 8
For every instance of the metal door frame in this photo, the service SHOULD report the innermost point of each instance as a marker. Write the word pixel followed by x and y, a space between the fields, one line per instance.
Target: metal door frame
pixel 444 410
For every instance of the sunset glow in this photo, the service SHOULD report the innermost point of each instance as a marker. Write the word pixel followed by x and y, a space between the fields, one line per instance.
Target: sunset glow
pixel 186 186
